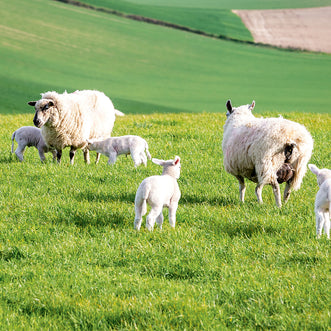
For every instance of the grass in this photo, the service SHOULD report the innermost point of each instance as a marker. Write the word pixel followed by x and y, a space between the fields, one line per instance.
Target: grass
pixel 70 259
pixel 145 68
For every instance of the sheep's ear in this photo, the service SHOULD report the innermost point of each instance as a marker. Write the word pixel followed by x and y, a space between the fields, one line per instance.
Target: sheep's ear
pixel 313 169
pixel 177 160
pixel 251 107
pixel 229 106
pixel 32 103
pixel 157 161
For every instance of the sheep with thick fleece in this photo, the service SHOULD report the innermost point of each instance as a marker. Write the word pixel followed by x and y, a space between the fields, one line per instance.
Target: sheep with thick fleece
pixel 158 192
pixel 265 151
pixel 28 136
pixel 69 119
pixel 322 200
pixel 114 146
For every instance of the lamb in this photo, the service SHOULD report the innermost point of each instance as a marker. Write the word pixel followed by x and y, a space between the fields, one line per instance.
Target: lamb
pixel 28 136
pixel 265 151
pixel 322 200
pixel 114 146
pixel 158 192
pixel 69 119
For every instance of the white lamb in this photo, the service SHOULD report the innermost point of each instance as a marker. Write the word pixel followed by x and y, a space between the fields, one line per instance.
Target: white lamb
pixel 323 200
pixel 265 151
pixel 114 146
pixel 28 136
pixel 69 119
pixel 158 192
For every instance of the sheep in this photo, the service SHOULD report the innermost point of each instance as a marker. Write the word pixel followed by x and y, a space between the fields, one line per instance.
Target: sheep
pixel 265 151
pixel 322 200
pixel 28 136
pixel 158 192
pixel 69 119
pixel 114 146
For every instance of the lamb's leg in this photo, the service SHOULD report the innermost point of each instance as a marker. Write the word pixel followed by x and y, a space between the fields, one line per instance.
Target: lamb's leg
pixel 159 220
pixel 41 155
pixel 327 224
pixel 287 192
pixel 72 155
pixel 151 218
pixel 112 158
pixel 276 189
pixel 136 158
pixel 172 214
pixel 242 188
pixel 319 223
pixel 97 158
pixel 87 156
pixel 140 211
pixel 19 152
pixel 59 155
pixel 258 192
pixel 143 158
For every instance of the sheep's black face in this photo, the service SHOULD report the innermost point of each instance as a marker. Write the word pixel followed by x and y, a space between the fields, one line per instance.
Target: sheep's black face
pixel 43 112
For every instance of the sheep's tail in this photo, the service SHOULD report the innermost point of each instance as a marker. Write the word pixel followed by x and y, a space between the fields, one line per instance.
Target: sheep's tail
pixel 300 164
pixel 119 113
pixel 12 142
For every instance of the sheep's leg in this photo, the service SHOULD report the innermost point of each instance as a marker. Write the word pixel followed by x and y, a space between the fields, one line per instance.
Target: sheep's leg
pixel 87 156
pixel 276 189
pixel 242 188
pixel 97 158
pixel 54 152
pixel 58 155
pixel 151 218
pixel 19 152
pixel 319 223
pixel 159 220
pixel 72 155
pixel 287 192
pixel 258 192
pixel 172 214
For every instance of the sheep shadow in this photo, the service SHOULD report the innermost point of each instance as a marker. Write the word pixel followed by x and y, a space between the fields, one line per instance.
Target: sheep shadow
pixel 221 201
pixel 92 196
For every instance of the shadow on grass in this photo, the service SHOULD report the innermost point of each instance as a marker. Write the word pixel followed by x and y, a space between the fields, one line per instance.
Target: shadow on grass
pixel 92 196
pixel 213 201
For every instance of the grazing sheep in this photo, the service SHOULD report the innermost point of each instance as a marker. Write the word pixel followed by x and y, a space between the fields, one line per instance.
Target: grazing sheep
pixel 265 151
pixel 158 192
pixel 28 136
pixel 323 200
pixel 69 119
pixel 114 146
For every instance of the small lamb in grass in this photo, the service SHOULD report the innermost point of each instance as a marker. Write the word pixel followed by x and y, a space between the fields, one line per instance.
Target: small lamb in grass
pixel 158 192
pixel 114 146
pixel 28 136
pixel 323 200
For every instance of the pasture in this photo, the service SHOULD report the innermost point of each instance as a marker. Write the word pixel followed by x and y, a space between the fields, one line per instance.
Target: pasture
pixel 70 259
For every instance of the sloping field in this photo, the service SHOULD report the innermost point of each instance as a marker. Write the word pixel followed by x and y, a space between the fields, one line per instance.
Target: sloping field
pixel 146 68
pixel 307 29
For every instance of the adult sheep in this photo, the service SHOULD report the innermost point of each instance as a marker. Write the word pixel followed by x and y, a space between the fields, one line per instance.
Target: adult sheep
pixel 265 151
pixel 69 119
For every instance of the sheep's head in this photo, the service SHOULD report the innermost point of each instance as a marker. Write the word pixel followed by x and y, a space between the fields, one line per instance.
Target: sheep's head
pixel 321 174
pixel 170 167
pixel 241 109
pixel 46 112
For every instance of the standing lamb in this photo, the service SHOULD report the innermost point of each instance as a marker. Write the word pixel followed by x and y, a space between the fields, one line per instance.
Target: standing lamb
pixel 265 151
pixel 69 119
pixel 28 136
pixel 114 146
pixel 322 200
pixel 158 192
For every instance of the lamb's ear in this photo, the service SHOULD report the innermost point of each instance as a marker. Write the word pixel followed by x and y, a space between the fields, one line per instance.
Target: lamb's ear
pixel 157 161
pixel 229 106
pixel 251 107
pixel 32 103
pixel 313 169
pixel 177 160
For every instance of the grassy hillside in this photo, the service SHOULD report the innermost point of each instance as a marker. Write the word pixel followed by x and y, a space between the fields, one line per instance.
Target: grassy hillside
pixel 146 68
pixel 70 259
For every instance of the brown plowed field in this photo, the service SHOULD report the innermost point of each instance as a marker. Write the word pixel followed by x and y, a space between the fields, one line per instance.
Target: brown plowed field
pixel 307 29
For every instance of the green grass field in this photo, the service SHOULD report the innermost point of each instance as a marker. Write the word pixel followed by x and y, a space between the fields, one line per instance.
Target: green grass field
pixel 145 68
pixel 70 259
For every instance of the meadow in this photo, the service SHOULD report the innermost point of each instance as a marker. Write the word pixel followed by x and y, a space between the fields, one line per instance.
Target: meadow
pixel 70 259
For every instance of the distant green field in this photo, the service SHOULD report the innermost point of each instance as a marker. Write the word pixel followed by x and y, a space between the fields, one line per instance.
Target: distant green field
pixel 145 68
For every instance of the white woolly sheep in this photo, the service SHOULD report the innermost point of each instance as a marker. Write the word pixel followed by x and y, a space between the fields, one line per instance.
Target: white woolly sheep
pixel 69 119
pixel 114 146
pixel 322 200
pixel 158 192
pixel 265 151
pixel 28 136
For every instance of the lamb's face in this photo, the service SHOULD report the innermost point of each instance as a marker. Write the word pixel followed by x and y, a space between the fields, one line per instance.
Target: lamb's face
pixel 46 112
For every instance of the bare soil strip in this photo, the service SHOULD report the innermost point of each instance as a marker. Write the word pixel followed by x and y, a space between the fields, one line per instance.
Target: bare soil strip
pixel 304 29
